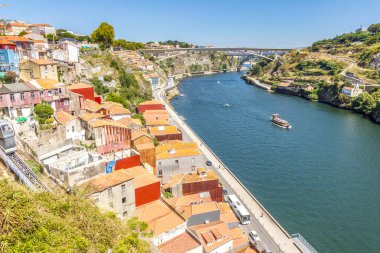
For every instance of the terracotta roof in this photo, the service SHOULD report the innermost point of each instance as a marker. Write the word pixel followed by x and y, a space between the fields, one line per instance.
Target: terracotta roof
pixel 284 84
pixel 137 121
pixel 163 111
pixel 102 122
pixel 179 244
pixel 164 130
pixel 43 62
pixel 63 117
pixel 18 24
pixel 190 210
pixel 91 105
pixel 159 217
pixel 138 133
pixel 152 102
pixel 46 84
pixel 15 38
pixel 118 110
pixel 6 42
pixel 187 200
pixel 142 177
pixel 106 181
pixel 177 149
pixel 31 25
pixel 79 86
pixel 238 237
pixel 226 213
pixel 40 41
pixel 90 116
pixel 208 234
pixel 144 146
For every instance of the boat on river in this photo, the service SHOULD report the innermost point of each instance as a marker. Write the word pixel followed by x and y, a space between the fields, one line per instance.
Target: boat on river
pixel 280 122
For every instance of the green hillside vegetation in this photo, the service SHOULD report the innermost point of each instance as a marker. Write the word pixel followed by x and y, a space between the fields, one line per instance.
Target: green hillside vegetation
pixel 43 222
pixel 315 73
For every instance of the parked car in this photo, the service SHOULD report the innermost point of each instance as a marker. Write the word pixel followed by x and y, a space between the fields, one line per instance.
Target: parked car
pixel 225 191
pixel 254 236
pixel 208 163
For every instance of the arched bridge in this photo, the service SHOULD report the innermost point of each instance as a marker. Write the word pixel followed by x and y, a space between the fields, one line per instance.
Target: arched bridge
pixel 245 53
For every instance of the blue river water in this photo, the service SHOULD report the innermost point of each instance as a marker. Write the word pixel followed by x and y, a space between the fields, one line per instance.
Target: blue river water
pixel 321 178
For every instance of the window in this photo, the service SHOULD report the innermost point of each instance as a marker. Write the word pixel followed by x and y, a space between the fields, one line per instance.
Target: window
pixel 125 214
pixel 123 187
pixel 42 93
pixel 160 173
pixel 192 160
pixel 60 91
pixel 22 96
pixel 32 94
pixel 55 92
pixel 193 168
pixel 124 200
pixel 159 163
pixel 66 102
pixel 50 93
pixel 176 161
pixel 12 97
pixel 109 190
pixel 72 129
pixel 1 98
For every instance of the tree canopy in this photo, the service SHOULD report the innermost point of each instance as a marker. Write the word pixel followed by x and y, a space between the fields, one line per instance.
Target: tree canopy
pixel 128 45
pixel 43 112
pixel 104 35
pixel 374 28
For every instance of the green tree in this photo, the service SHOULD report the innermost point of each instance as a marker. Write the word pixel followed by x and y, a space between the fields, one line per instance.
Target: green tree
pixel 364 103
pixel 22 33
pixel 104 35
pixel 100 89
pixel 43 112
pixel 114 97
pixel 374 28
pixel 256 70
pixel 140 117
pixel 10 77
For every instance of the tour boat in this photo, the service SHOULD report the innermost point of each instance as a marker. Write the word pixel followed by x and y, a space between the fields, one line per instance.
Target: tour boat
pixel 280 122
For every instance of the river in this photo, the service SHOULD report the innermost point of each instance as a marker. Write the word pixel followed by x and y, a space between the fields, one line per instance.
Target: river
pixel 321 178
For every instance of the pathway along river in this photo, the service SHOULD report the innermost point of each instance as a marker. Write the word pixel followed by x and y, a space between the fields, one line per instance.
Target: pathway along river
pixel 321 178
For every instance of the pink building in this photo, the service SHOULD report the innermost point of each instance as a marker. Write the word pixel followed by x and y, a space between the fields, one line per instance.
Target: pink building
pixel 53 92
pixel 18 99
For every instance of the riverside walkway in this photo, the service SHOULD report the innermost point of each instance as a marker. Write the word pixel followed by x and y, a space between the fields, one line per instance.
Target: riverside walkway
pixel 278 237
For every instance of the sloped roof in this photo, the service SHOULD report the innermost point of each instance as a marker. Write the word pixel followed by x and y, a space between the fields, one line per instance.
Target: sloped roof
pixel 159 217
pixel 106 181
pixel 90 116
pixel 179 244
pixel 142 177
pixel 152 102
pixel 16 87
pixel 91 105
pixel 164 130
pixel 15 38
pixel 63 117
pixel 43 62
pixel 46 84
pixel 79 86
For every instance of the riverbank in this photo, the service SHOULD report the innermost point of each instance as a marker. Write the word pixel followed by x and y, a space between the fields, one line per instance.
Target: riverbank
pixel 326 97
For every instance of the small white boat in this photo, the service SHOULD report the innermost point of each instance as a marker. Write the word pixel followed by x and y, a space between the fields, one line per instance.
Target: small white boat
pixel 181 95
pixel 227 105
pixel 218 82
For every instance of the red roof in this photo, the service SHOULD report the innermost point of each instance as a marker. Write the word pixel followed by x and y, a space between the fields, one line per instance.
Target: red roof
pixel 15 38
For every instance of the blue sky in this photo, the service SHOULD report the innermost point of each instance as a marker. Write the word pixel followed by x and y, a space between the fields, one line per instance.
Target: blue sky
pixel 260 23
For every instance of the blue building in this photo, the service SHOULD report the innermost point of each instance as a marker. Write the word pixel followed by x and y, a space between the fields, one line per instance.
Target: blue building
pixel 9 61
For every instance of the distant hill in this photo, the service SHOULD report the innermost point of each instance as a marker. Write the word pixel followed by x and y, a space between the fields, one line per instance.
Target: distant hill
pixel 320 71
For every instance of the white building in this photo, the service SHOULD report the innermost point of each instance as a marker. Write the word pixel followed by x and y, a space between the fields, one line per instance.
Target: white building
pixel 73 128
pixel 114 192
pixel 43 29
pixel 66 52
pixel 352 91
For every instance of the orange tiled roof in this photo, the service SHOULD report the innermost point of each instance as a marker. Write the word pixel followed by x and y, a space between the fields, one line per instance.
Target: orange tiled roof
pixel 91 105
pixel 179 244
pixel 159 217
pixel 6 42
pixel 43 62
pixel 180 149
pixel 15 38
pixel 144 146
pixel 164 130
pixel 152 102
pixel 106 181
pixel 207 233
pixel 31 25
pixel 63 117
pixel 118 110
pixel 102 122
pixel 18 24
pixel 78 86
pixel 46 84
pixel 142 177
pixel 90 116
pixel 137 134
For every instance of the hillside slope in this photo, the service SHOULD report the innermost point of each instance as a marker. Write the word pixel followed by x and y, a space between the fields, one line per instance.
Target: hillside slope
pixel 43 222
pixel 321 71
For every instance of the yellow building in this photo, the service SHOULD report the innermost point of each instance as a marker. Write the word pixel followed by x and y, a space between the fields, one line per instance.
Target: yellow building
pixel 39 69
